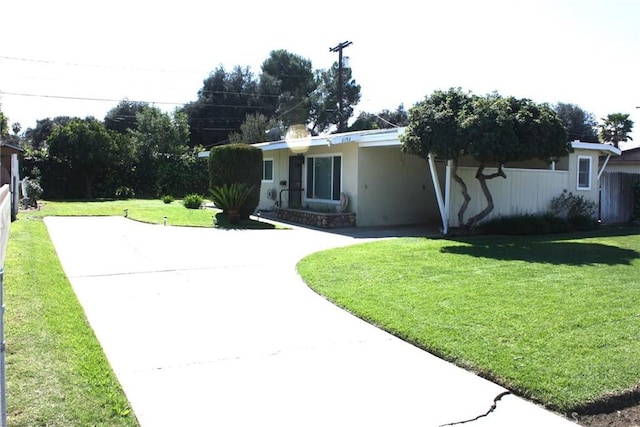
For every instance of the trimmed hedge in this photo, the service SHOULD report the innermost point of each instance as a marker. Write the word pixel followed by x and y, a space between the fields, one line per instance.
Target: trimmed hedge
pixel 237 163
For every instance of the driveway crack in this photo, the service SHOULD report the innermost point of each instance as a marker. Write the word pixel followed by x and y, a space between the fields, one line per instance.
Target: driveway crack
pixel 493 407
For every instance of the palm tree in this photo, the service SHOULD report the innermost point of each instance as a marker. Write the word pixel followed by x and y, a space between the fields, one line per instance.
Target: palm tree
pixel 616 129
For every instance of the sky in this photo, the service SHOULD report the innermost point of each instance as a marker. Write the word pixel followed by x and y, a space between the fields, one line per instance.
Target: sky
pixel 80 58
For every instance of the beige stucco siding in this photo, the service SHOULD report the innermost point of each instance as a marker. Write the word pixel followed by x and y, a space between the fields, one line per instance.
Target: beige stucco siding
pixel 394 188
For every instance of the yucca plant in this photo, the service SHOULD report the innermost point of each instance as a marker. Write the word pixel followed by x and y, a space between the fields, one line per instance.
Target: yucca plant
pixel 231 199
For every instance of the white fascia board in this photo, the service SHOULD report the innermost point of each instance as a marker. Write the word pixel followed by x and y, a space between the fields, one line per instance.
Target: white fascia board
pixel 384 138
pixel 605 149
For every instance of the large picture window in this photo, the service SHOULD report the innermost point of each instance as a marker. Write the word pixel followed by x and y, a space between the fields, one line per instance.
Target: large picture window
pixel 324 177
pixel 584 173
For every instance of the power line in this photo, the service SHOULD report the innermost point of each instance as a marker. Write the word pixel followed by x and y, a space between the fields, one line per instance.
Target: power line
pixel 83 98
pixel 77 64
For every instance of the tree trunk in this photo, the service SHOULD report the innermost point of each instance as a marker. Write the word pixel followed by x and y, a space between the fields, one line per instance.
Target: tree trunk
pixel 465 194
pixel 88 185
pixel 482 178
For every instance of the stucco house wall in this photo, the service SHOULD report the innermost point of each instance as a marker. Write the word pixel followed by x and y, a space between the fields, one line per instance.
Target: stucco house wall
pixel 394 188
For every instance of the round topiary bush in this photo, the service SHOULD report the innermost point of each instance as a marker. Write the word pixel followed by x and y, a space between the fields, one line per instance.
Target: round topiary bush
pixel 237 164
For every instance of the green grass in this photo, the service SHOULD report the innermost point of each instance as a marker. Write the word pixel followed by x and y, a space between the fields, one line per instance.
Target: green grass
pixel 149 211
pixel 556 320
pixel 57 374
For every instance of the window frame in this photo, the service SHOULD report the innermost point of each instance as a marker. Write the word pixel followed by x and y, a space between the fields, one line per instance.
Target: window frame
pixel 264 161
pixel 335 192
pixel 589 171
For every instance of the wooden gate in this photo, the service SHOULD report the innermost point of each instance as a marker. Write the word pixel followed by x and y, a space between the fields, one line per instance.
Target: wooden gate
pixel 616 197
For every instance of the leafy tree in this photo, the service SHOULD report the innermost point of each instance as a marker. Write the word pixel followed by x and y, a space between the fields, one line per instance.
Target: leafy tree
pixel 164 161
pixel 290 77
pixel 580 124
pixel 37 137
pixel 385 119
pixel 326 99
pixel 4 124
pixel 616 129
pixel 222 105
pixel 123 117
pixel 85 149
pixel 492 130
pixel 255 129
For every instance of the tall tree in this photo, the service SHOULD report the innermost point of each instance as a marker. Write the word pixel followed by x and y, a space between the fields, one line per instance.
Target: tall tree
pixel 256 128
pixel 326 99
pixel 163 154
pixel 385 119
pixel 4 124
pixel 37 137
pixel 616 128
pixel 222 105
pixel 122 117
pixel 291 78
pixel 85 149
pixel 492 130
pixel 580 124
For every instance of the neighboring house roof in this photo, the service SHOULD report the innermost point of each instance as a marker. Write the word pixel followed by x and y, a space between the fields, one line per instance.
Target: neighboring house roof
pixel 10 148
pixel 631 156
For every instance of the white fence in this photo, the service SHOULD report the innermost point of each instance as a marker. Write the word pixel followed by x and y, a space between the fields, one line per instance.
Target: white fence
pixel 5 221
pixel 523 191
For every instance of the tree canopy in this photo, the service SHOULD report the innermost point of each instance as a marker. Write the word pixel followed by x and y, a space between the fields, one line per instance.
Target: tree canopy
pixel 580 124
pixel 385 119
pixel 493 130
pixel 85 149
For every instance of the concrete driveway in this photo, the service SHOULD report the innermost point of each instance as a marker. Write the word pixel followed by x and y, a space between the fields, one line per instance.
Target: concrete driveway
pixel 207 327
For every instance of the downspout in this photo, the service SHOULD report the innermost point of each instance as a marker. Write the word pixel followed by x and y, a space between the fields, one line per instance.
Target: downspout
pixel 436 185
pixel 604 165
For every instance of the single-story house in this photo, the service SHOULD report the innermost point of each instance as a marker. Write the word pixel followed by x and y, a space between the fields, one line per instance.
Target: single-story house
pixel 367 175
pixel 363 178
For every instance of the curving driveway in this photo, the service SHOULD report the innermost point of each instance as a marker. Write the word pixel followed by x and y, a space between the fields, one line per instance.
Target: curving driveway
pixel 206 327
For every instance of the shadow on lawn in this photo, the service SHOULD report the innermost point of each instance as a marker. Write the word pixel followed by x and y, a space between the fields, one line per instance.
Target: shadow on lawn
pixel 547 252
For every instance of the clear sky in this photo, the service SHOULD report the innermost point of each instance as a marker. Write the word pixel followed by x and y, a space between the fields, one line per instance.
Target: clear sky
pixel 64 52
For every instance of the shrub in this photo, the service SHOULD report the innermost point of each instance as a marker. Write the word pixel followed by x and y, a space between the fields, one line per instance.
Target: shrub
pixel 569 205
pixel 125 193
pixel 34 191
pixel 525 224
pixel 582 223
pixel 168 199
pixel 231 199
pixel 237 163
pixel 192 201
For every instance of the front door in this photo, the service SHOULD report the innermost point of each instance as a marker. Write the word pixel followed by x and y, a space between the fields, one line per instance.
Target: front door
pixel 295 181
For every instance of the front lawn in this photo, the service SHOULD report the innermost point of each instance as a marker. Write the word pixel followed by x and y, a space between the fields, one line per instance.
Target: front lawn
pixel 554 319
pixel 153 211
pixel 57 373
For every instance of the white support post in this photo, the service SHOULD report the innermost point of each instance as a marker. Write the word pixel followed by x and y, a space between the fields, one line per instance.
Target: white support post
pixel 441 203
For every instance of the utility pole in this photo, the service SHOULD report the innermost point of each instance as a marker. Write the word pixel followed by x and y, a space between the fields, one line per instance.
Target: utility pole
pixel 338 49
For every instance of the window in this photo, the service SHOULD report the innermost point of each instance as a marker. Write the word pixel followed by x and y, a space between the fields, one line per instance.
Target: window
pixel 267 170
pixel 324 177
pixel 584 173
